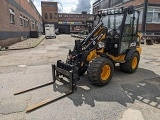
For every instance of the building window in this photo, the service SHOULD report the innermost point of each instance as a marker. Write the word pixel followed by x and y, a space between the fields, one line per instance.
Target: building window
pixel 46 16
pixel 60 15
pixel 77 16
pixel 21 20
pixel 27 22
pixel 66 16
pixel 153 16
pixel 33 24
pixel 12 15
pixel 50 16
pixel 24 21
pixel 149 16
pixel 55 15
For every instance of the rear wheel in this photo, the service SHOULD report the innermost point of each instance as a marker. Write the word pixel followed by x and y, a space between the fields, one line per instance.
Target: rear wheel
pixel 100 71
pixel 131 65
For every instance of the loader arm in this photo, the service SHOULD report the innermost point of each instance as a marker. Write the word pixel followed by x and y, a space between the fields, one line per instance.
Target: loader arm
pixel 85 50
pixel 93 33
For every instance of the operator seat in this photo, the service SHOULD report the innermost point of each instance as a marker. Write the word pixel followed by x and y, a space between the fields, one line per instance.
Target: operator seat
pixel 112 42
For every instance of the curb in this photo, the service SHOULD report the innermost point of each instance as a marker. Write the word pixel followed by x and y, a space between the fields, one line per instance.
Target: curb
pixel 25 47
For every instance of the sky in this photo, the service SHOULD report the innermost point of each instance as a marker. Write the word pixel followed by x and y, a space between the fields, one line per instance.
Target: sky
pixel 69 6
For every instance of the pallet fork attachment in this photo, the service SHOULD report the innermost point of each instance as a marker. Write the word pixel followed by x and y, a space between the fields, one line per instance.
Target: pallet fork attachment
pixel 62 69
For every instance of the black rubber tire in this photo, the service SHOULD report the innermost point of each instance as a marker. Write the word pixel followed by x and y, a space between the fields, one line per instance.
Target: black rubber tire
pixel 95 68
pixel 149 42
pixel 127 66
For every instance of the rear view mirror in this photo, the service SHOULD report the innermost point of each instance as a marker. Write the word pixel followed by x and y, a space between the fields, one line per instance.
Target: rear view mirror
pixel 130 9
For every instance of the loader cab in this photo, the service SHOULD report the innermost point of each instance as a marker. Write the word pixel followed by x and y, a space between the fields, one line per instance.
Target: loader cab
pixel 122 25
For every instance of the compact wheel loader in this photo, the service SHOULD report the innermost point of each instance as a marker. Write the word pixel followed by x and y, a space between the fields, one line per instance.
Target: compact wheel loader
pixel 113 40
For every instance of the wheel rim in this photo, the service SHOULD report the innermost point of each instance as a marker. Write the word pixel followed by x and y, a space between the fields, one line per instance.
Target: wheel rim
pixel 106 71
pixel 134 62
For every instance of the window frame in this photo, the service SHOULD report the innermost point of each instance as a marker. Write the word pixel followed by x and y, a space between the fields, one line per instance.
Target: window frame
pixel 24 21
pixel 12 16
pixel 46 15
pixel 60 15
pixel 55 15
pixel 33 24
pixel 153 11
pixel 50 15
pixel 21 20
pixel 27 22
pixel 77 16
pixel 66 16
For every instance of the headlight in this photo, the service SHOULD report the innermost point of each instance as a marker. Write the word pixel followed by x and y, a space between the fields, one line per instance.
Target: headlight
pixel 101 45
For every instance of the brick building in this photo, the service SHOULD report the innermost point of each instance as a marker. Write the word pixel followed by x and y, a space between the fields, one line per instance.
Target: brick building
pixel 19 20
pixel 65 22
pixel 149 22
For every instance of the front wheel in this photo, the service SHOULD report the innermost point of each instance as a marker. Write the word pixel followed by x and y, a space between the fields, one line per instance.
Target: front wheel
pixel 100 71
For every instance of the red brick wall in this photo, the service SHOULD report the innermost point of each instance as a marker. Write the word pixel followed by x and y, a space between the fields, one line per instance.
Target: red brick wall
pixel 26 5
pixel 5 20
pixel 9 41
pixel 48 10
pixel 6 26
pixel 5 17
pixel 153 27
pixel 140 27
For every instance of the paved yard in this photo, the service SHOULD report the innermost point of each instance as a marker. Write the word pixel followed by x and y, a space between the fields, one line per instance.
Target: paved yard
pixel 127 97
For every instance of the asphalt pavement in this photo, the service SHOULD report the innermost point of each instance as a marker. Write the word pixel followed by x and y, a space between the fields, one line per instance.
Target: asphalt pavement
pixel 127 97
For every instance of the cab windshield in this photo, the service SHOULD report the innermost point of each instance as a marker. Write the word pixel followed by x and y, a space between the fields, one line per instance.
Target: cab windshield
pixel 112 21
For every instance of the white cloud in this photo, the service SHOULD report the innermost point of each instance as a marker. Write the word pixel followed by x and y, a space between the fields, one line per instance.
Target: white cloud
pixel 66 6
